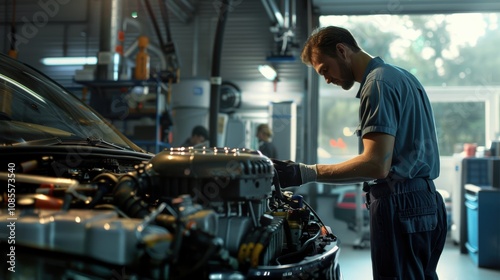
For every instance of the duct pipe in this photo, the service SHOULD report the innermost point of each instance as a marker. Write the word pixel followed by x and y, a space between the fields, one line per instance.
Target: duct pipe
pixel 286 21
pixel 273 12
pixel 293 23
pixel 131 21
pixel 215 79
pixel 111 17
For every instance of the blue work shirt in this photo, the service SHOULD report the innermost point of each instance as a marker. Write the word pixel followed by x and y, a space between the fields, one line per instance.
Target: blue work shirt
pixel 394 102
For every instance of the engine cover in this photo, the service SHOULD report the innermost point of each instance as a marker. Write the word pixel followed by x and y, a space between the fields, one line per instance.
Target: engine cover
pixel 214 174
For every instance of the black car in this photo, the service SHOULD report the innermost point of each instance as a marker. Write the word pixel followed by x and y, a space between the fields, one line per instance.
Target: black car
pixel 81 201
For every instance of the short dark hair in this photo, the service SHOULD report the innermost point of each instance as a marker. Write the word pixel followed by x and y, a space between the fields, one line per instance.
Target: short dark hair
pixel 200 131
pixel 324 40
pixel 264 128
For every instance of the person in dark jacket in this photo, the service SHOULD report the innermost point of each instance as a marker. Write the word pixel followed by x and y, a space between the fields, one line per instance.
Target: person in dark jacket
pixel 266 146
pixel 199 137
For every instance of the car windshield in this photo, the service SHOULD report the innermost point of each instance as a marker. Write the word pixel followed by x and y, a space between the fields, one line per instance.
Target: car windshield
pixel 36 110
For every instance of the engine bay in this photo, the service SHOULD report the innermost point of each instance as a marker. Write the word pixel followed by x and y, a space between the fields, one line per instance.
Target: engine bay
pixel 184 213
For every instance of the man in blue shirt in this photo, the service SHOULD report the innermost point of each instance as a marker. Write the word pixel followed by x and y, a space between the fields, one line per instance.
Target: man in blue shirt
pixel 398 162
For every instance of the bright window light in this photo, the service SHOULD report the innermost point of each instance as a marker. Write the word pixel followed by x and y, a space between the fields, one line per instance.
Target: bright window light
pixel 268 72
pixel 69 60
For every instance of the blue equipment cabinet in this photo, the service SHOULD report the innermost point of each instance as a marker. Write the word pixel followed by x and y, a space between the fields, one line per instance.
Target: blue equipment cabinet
pixel 483 171
pixel 483 226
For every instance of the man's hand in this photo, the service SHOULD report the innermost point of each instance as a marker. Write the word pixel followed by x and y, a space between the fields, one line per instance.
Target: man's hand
pixel 288 173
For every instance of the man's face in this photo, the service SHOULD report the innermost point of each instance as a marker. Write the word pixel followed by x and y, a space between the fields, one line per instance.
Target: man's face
pixel 334 70
pixel 260 135
pixel 197 139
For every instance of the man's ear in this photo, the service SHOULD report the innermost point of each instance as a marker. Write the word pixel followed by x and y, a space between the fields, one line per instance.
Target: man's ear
pixel 341 50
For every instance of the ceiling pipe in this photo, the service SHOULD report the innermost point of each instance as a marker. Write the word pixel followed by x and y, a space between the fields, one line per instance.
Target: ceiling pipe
pixel 215 79
pixel 180 12
pixel 283 23
pixel 152 17
pixel 286 9
pixel 273 12
pixel 196 44
pixel 188 5
pixel 132 21
pixel 111 20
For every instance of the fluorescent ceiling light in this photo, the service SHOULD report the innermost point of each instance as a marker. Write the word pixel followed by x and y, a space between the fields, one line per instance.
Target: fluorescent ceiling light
pixel 268 72
pixel 69 60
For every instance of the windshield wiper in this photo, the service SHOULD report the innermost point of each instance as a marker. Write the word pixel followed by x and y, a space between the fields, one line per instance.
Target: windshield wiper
pixel 94 141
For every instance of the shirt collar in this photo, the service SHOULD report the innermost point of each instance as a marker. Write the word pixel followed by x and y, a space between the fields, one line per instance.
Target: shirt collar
pixel 374 63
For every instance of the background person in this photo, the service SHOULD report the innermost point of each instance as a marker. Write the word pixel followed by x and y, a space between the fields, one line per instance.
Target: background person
pixel 199 137
pixel 266 146
pixel 399 161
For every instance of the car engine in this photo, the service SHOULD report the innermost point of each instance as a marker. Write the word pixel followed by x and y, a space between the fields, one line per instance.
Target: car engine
pixel 184 213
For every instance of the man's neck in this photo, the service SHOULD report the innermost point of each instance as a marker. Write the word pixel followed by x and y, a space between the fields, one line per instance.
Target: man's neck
pixel 360 61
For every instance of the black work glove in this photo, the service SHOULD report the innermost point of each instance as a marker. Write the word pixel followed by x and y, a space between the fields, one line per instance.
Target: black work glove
pixel 287 172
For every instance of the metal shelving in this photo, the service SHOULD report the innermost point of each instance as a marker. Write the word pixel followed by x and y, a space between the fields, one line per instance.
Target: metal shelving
pixel 106 97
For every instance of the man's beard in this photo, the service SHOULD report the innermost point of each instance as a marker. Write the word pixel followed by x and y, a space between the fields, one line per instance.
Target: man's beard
pixel 346 75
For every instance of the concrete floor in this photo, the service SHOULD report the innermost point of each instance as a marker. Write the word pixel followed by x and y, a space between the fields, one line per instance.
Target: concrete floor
pixel 355 263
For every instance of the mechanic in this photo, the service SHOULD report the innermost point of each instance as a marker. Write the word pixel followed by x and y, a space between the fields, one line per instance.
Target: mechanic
pixel 398 161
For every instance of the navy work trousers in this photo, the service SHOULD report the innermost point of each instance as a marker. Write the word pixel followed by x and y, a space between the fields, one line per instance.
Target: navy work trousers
pixel 408 229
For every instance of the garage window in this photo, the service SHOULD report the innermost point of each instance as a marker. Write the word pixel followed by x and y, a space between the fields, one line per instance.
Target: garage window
pixel 453 55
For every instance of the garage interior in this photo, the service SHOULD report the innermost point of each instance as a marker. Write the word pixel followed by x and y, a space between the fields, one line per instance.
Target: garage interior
pixel 203 69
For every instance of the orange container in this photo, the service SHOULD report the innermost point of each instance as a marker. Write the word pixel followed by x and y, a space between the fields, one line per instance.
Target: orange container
pixel 142 60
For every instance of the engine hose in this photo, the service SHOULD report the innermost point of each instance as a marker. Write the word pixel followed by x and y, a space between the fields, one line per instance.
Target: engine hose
pixel 104 181
pixel 314 212
pixel 247 246
pixel 242 252
pixel 302 249
pixel 214 245
pixel 288 233
pixel 259 247
pixel 127 201
pixel 177 243
pixel 277 186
